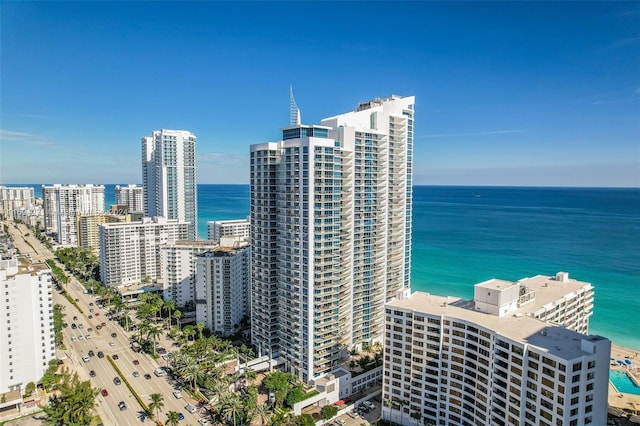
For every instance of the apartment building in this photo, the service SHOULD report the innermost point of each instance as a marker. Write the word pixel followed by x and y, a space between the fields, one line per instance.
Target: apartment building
pixel 223 286
pixel 178 262
pixel 130 251
pixel 330 233
pixel 239 228
pixel 169 177
pixel 450 361
pixel 131 196
pixel 26 333
pixel 12 198
pixel 63 204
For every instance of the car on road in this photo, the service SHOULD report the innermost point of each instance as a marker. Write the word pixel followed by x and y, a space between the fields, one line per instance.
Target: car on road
pixel 159 372
pixel 75 318
pixel 100 354
pixel 73 325
pixel 92 373
pixel 112 343
pixel 114 335
pixel 91 353
pixel 147 376
pixel 89 330
pixel 90 316
pixel 117 380
pixel 177 393
pixel 180 416
pixel 77 300
pixel 104 324
pixel 88 336
pixel 203 422
pixel 74 338
pixel 80 337
pixel 353 414
pixel 90 303
pixel 115 356
pixel 97 314
pixel 98 327
pixel 136 374
pixel 86 358
pixel 161 351
pixel 104 392
pixel 91 310
pixel 136 362
pixel 122 405
pixel 80 326
pixel 190 408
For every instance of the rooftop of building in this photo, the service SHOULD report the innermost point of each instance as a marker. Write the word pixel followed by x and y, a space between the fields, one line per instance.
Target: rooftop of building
pixel 194 244
pixel 556 340
pixel 548 289
pixel 376 102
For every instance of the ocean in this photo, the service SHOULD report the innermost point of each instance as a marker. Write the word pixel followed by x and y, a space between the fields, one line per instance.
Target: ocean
pixel 466 235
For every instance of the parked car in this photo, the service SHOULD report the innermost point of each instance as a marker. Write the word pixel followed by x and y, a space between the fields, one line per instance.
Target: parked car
pixel 341 422
pixel 177 393
pixel 104 392
pixel 190 408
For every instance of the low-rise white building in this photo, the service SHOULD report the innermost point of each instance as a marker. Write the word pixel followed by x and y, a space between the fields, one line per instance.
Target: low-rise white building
pixel 239 228
pixel 26 331
pixel 130 251
pixel 450 361
pixel 223 286
pixel 178 262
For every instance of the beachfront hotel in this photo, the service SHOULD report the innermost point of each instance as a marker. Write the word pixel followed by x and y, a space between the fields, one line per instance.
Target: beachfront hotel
pixel 131 196
pixel 28 342
pixel 330 233
pixel 63 204
pixel 169 177
pixel 130 251
pixel 223 286
pixel 239 228
pixel 493 360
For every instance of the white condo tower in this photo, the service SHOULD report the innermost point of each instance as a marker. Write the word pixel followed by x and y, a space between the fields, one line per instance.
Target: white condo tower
pixel 330 233
pixel 169 176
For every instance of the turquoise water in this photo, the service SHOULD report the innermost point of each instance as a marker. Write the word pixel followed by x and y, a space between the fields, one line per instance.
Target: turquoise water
pixel 623 382
pixel 465 235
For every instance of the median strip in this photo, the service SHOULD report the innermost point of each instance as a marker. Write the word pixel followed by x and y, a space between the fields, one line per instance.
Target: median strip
pixel 126 382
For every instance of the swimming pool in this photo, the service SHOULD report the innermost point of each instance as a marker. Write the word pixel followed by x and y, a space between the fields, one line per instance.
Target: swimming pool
pixel 623 382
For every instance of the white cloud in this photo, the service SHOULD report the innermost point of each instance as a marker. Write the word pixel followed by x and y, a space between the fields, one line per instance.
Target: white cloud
pixel 25 138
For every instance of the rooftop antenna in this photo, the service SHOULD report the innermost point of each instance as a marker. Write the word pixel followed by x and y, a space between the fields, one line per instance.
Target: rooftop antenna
pixel 294 111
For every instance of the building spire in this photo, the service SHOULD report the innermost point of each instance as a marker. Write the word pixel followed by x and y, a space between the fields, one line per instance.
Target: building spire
pixel 294 111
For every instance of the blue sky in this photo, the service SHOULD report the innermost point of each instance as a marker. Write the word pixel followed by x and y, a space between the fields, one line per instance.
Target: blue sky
pixel 507 93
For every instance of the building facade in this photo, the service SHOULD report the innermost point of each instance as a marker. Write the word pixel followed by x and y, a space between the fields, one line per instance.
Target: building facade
pixel 130 251
pixel 330 233
pixel 130 196
pixel 89 228
pixel 169 177
pixel 223 287
pixel 62 205
pixel 12 198
pixel 239 228
pixel 27 335
pixel 451 362
pixel 178 261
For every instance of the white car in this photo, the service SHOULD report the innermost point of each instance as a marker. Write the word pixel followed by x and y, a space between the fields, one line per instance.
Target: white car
pixel 88 336
pixel 112 344
pixel 340 422
pixel 177 393
pixel 80 337
pixel 203 422
pixel 190 408
pixel 74 338
pixel 86 358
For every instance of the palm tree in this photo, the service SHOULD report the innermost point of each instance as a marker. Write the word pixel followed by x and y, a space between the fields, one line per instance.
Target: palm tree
pixel 172 418
pixel 191 370
pixel 232 408
pixel 157 403
pixel 153 332
pixel 200 327
pixel 170 306
pixel 262 413
pixel 177 314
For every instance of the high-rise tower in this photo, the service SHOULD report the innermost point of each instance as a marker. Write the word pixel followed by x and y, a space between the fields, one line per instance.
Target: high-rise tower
pixel 169 176
pixel 330 233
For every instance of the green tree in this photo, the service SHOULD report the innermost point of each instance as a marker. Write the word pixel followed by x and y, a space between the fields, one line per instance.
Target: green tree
pixel 172 418
pixel 328 411
pixel 177 315
pixel 200 327
pixel 262 413
pixel 294 396
pixel 28 390
pixel 157 403
pixel 170 306
pixel 232 408
pixel 304 420
pixel 73 404
pixel 153 333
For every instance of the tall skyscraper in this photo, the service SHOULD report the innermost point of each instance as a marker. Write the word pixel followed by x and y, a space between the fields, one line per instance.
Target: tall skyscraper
pixel 64 203
pixel 330 233
pixel 169 176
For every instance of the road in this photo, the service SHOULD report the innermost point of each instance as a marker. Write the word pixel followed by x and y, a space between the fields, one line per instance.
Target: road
pixel 101 340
